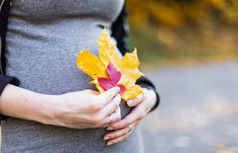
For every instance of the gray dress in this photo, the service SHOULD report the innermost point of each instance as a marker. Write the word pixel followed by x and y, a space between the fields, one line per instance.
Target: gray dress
pixel 42 39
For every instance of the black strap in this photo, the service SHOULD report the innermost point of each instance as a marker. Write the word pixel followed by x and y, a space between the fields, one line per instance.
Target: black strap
pixel 5 7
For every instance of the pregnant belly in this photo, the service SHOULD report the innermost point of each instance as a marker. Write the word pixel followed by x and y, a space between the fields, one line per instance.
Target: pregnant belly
pixel 32 136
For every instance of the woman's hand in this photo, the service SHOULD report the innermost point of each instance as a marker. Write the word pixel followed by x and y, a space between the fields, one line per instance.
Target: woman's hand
pixel 84 109
pixel 122 129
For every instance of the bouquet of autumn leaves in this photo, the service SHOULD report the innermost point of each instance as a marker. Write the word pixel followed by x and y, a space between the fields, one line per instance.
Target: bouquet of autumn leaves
pixel 110 70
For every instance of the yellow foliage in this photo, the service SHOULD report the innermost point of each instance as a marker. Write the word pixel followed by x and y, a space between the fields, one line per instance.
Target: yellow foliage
pixel 96 67
pixel 216 3
pixel 177 13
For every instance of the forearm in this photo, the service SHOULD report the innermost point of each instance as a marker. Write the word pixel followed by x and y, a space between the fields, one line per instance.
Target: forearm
pixel 24 104
pixel 80 109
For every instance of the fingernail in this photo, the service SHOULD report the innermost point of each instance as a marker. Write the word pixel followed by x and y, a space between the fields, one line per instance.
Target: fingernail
pixel 117 88
pixel 110 128
pixel 130 102
pixel 106 138
pixel 109 143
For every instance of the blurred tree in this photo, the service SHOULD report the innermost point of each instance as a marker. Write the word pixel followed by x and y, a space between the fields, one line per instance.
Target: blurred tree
pixel 193 29
pixel 176 13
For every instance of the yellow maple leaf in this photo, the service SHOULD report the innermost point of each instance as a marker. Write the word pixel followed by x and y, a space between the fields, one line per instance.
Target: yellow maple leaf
pixel 124 70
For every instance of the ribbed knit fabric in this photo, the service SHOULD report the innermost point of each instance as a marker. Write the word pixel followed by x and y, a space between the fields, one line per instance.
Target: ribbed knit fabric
pixel 42 39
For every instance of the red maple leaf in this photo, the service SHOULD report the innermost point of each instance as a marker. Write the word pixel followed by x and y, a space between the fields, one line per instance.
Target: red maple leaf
pixel 114 76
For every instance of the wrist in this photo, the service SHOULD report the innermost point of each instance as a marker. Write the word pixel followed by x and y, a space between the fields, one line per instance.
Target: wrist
pixel 21 103
pixel 49 109
pixel 36 107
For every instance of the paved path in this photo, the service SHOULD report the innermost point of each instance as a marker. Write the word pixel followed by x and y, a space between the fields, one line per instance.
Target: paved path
pixel 198 111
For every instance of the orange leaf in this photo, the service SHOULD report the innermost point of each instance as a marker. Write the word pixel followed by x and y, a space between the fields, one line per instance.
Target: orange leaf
pixel 132 91
pixel 130 71
pixel 107 52
pixel 96 67
pixel 91 65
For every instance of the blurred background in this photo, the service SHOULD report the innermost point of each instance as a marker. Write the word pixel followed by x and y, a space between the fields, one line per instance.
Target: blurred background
pixel 184 30
pixel 189 49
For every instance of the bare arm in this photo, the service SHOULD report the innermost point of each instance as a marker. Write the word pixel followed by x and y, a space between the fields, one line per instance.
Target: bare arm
pixel 25 104
pixel 82 109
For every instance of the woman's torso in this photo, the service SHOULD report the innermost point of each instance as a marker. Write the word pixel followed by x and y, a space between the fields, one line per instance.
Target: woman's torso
pixel 42 40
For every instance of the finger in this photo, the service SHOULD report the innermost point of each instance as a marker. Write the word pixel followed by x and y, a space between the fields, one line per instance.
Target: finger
pixel 107 96
pixel 118 139
pixel 116 134
pixel 120 132
pixel 136 101
pixel 112 106
pixel 115 117
pixel 112 109
pixel 128 120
